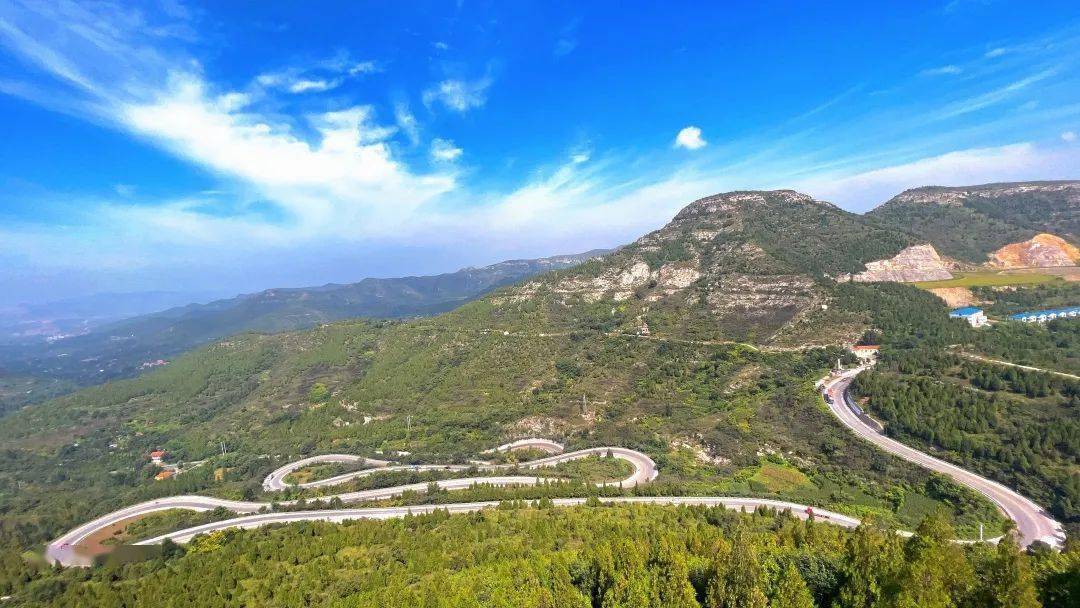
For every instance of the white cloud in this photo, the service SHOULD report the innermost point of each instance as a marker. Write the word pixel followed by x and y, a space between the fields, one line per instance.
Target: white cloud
pixel 1014 162
pixel 124 190
pixel 444 150
pixel 313 86
pixel 407 122
pixel 458 95
pixel 690 139
pixel 1068 136
pixel 316 77
pixel 996 52
pixel 945 70
pixel 364 67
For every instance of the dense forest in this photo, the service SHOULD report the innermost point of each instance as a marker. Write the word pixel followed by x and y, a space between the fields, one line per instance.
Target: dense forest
pixel 984 218
pixel 591 556
pixel 1016 426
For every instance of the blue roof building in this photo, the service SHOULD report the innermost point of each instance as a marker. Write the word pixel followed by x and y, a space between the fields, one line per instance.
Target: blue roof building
pixel 974 316
pixel 1042 316
pixel 967 311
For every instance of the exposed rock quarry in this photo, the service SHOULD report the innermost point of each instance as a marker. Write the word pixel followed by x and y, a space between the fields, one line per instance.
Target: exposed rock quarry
pixel 955 296
pixel 1041 251
pixel 916 263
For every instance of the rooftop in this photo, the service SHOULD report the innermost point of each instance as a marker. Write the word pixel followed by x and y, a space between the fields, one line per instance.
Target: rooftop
pixel 1047 312
pixel 966 311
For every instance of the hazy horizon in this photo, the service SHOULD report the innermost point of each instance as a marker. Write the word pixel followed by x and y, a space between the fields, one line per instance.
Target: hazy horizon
pixel 179 146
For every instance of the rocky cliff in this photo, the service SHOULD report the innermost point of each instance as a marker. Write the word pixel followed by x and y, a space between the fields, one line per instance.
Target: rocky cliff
pixel 916 263
pixel 1041 251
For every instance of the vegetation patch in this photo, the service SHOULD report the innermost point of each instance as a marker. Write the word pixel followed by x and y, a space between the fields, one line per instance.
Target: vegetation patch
pixel 990 279
pixel 780 477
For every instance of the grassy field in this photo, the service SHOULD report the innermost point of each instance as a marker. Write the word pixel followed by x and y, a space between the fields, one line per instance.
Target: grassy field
pixel 991 278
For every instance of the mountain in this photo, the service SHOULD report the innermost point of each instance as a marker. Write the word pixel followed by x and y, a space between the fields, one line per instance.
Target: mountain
pixel 125 347
pixel 970 222
pixel 563 355
pixel 735 266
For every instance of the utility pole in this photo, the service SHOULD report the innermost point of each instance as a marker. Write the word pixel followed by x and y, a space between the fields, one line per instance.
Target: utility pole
pixel 980 532
pixel 408 427
pixel 584 405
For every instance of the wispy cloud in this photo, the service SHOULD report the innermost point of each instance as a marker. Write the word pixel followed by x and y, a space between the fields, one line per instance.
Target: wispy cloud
pixel 945 70
pixel 407 122
pixel 444 151
pixel 568 39
pixel 990 98
pixel 317 77
pixel 458 95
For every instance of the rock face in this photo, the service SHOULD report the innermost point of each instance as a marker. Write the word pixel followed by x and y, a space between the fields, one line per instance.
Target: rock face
pixel 955 296
pixel 739 265
pixel 1041 251
pixel 916 263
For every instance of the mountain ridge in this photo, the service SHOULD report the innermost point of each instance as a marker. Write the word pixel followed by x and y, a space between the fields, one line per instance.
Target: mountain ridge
pixel 970 222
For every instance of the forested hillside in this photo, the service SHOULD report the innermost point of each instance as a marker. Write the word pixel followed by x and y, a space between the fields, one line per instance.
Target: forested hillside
pixel 589 556
pixel 122 348
pixel 969 222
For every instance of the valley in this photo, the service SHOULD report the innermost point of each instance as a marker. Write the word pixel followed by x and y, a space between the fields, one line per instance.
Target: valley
pixel 691 353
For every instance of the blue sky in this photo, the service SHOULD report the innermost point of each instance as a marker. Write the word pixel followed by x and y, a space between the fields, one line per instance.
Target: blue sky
pixel 237 146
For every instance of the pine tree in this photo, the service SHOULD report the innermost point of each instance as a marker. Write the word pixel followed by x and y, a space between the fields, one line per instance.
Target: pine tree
pixel 791 590
pixel 673 577
pixel 736 577
pixel 935 573
pixel 871 557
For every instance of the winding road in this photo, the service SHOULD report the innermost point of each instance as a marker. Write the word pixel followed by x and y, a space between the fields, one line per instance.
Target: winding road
pixel 1032 521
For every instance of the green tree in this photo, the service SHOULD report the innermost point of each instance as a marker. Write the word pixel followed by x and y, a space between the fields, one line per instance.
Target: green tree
pixel 935 574
pixel 871 556
pixel 736 576
pixel 1009 581
pixel 791 590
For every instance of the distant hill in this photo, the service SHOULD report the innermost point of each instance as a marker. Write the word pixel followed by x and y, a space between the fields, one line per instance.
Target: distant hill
pixel 970 222
pixel 121 348
pixel 72 316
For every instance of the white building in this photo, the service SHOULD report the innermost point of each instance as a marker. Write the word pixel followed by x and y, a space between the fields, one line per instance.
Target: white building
pixel 974 316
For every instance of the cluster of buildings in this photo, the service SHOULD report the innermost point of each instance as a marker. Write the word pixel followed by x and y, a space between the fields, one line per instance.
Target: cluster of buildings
pixel 977 318
pixel 1042 316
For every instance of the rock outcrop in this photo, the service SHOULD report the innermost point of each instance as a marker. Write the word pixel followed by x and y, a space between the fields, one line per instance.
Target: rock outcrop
pixel 1041 251
pixel 915 263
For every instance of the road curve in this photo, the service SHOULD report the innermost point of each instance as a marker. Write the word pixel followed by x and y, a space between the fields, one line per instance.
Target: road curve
pixel 62 549
pixel 340 515
pixel 1032 521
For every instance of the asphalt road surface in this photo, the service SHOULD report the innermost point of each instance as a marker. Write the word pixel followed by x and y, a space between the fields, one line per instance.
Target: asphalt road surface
pixel 1032 521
